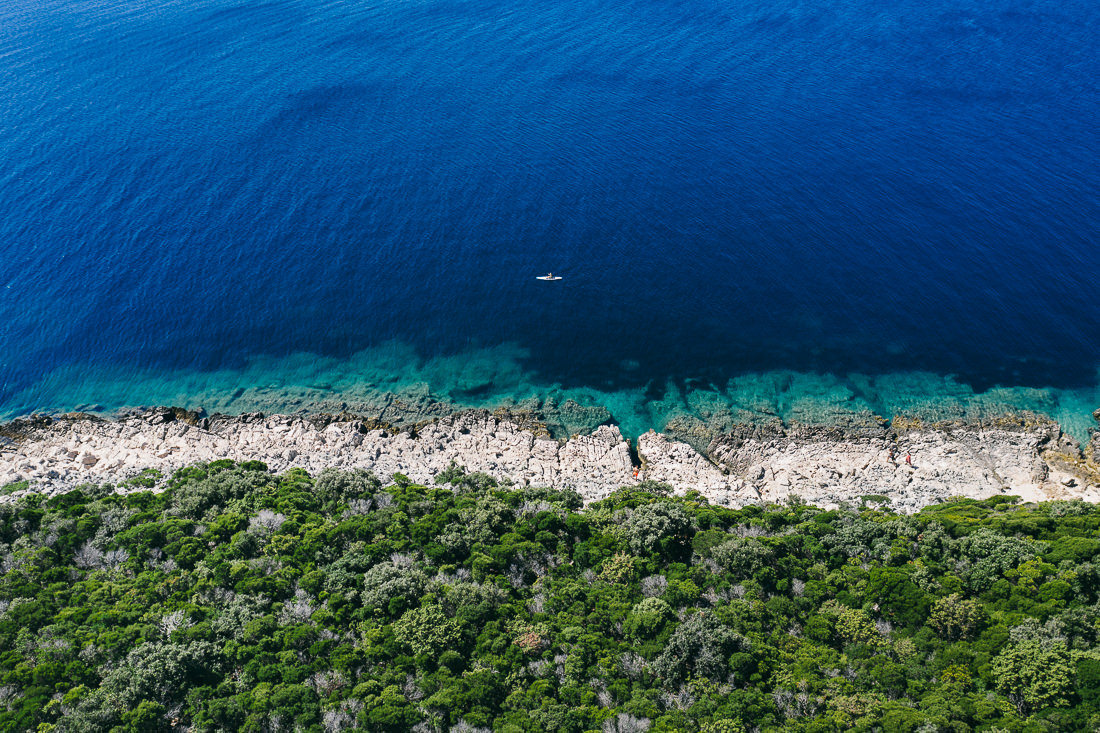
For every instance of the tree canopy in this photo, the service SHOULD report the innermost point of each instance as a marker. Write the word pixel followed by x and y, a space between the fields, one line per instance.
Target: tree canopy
pixel 237 599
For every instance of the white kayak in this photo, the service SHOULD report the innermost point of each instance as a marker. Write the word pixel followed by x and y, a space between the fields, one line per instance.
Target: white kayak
pixel 548 277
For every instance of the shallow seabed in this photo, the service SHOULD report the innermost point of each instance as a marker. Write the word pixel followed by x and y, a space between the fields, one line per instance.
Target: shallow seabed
pixel 394 382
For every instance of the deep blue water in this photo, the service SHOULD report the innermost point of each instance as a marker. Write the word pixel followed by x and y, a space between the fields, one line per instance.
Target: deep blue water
pixel 725 187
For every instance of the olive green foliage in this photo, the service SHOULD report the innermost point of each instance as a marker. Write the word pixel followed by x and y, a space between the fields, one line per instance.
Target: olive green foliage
pixel 647 618
pixel 955 617
pixel 242 600
pixel 427 630
pixel 1035 675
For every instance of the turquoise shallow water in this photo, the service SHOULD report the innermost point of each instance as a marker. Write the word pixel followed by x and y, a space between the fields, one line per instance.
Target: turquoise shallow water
pixel 790 210
pixel 372 380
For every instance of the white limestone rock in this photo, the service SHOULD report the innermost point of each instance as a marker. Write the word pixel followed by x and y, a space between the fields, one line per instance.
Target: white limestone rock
pixel 821 465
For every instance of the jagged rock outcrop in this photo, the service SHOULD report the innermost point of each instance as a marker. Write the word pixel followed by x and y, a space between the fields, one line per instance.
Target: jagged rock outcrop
pixel 676 463
pixel 825 465
pixel 1094 442
pixel 913 465
pixel 66 451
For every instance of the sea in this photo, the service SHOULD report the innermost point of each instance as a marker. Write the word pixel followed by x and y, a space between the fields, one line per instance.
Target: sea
pixel 790 209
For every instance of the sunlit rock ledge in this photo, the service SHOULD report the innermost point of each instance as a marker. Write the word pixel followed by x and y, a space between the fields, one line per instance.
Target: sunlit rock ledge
pixel 908 463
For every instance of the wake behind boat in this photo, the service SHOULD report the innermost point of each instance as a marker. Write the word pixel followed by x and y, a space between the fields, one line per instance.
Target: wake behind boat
pixel 548 276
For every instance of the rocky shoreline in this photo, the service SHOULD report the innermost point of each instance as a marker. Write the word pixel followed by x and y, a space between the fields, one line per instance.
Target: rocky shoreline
pixel 1025 454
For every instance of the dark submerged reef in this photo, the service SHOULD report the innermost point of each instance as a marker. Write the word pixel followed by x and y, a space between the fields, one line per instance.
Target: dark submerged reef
pixel 238 599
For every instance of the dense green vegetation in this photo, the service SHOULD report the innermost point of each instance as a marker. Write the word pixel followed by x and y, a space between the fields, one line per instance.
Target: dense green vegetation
pixel 237 599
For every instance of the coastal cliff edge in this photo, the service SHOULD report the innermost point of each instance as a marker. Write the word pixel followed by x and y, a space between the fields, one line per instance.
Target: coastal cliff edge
pixel 908 463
